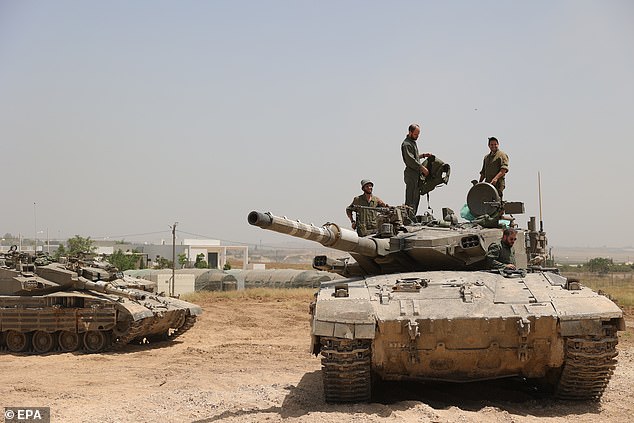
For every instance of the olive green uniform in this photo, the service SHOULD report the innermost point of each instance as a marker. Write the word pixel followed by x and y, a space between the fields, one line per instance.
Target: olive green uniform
pixel 499 255
pixel 366 219
pixel 491 166
pixel 409 151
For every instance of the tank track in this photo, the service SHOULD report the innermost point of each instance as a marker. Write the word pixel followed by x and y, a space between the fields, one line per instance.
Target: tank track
pixel 589 364
pixel 189 323
pixel 136 329
pixel 138 333
pixel 346 369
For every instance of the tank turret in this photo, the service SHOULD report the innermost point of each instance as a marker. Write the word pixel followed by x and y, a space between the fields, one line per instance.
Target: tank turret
pixel 427 244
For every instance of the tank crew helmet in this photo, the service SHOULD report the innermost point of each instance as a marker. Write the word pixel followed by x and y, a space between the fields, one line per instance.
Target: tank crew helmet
pixel 364 182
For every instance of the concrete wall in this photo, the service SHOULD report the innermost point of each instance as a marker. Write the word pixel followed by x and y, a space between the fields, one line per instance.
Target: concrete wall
pixel 183 283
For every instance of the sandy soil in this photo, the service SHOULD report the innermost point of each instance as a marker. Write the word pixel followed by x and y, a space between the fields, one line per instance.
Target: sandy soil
pixel 248 360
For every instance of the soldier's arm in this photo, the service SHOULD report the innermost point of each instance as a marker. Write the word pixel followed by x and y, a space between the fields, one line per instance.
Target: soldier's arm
pixel 504 167
pixel 501 173
pixel 349 210
pixel 504 161
pixel 409 158
pixel 493 256
pixel 349 214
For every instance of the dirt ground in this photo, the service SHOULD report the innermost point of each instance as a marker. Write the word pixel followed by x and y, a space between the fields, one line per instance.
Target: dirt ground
pixel 248 360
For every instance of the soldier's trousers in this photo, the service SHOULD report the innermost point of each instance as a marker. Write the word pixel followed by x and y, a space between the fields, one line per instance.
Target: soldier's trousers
pixel 412 191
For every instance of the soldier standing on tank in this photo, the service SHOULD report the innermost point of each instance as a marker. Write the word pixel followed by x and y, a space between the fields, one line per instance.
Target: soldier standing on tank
pixel 495 166
pixel 500 255
pixel 413 168
pixel 366 219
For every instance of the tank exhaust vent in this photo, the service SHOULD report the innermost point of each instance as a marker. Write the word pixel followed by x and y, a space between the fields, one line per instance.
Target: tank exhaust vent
pixel 470 241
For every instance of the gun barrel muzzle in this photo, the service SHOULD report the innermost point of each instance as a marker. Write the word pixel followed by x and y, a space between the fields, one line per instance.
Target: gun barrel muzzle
pixel 263 220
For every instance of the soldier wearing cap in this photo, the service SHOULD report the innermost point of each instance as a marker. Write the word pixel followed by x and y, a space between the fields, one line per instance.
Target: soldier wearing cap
pixel 366 219
pixel 495 166
pixel 500 255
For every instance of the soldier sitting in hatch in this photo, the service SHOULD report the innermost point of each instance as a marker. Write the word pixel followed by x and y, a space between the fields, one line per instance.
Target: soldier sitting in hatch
pixel 500 255
pixel 366 218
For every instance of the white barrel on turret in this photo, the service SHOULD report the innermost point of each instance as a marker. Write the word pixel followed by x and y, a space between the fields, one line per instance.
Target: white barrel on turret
pixel 329 235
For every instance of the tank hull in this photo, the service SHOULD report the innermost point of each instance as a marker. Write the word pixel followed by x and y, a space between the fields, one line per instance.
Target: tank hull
pixel 65 319
pixel 464 326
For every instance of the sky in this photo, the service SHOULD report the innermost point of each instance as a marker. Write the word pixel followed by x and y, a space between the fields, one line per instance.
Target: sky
pixel 118 118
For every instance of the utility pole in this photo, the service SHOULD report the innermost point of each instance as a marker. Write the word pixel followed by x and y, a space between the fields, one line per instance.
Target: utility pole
pixel 173 258
pixel 35 228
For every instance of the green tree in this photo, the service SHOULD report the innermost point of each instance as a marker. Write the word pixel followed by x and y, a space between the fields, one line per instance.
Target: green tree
pixel 600 265
pixel 163 263
pixel 79 245
pixel 60 252
pixel 201 263
pixel 182 260
pixel 123 261
pixel 227 266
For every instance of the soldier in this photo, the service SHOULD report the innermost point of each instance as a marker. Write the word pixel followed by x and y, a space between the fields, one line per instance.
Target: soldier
pixel 500 255
pixel 413 167
pixel 366 219
pixel 495 166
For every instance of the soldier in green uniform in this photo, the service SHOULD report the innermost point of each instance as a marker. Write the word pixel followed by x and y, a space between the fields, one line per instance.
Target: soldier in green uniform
pixel 366 219
pixel 413 167
pixel 500 255
pixel 495 166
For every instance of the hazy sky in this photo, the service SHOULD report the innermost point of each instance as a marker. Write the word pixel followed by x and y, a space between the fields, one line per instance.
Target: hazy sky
pixel 120 118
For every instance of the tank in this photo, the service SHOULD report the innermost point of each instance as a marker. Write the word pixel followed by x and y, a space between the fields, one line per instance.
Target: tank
pixel 419 303
pixel 82 306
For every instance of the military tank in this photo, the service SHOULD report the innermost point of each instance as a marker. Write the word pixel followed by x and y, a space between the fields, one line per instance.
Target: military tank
pixel 419 303
pixel 55 307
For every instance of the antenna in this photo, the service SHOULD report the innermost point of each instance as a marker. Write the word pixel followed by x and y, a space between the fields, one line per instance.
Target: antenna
pixel 539 187
pixel 172 288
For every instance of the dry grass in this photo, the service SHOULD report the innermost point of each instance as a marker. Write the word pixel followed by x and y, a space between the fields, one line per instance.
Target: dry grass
pixel 262 294
pixel 619 287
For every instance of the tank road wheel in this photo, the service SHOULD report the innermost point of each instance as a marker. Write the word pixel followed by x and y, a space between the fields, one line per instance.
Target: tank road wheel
pixel 43 342
pixel 588 366
pixel 68 341
pixel 346 369
pixel 18 341
pixel 95 341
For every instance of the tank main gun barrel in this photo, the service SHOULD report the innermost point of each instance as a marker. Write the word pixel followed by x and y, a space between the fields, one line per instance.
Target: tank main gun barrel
pixel 329 235
pixel 108 288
